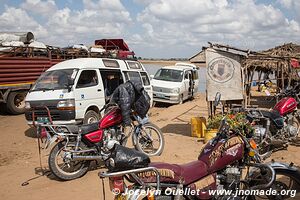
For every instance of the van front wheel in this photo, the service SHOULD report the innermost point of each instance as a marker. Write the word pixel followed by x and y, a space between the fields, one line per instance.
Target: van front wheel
pixel 91 117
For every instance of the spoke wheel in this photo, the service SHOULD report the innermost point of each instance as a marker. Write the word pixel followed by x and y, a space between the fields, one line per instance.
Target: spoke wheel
pixel 62 165
pixel 150 140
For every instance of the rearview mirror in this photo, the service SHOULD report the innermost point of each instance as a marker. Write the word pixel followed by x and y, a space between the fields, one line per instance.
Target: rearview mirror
pixel 217 99
pixel 70 84
pixel 151 76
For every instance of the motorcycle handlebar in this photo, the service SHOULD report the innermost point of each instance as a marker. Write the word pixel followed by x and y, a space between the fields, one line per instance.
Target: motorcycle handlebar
pixel 108 105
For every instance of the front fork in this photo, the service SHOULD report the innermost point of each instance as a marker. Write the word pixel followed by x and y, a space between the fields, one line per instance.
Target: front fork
pixel 135 134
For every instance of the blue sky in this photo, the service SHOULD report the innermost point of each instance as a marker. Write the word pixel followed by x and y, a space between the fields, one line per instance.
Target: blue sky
pixel 157 28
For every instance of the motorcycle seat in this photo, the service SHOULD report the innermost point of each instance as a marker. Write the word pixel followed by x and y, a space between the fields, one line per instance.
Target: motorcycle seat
pixel 274 116
pixel 88 128
pixel 187 173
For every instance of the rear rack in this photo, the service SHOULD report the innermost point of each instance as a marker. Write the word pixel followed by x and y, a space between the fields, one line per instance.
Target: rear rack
pixel 133 172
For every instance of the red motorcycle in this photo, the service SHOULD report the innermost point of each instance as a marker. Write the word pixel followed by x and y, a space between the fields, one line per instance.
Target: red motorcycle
pixel 228 166
pixel 77 146
pixel 279 126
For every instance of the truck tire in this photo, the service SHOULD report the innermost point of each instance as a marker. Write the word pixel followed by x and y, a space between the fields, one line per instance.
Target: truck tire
pixel 16 102
pixel 91 117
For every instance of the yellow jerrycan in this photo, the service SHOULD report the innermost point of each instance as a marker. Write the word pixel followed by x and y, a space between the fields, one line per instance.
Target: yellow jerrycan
pixel 198 126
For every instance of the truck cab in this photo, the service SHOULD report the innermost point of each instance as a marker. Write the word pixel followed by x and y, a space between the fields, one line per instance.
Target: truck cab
pixel 174 84
pixel 74 91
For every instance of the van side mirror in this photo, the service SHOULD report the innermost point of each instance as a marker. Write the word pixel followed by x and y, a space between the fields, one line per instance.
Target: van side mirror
pixel 70 81
pixel 70 84
pixel 151 76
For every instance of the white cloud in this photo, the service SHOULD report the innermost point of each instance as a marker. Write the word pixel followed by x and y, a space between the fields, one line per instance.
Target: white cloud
pixel 104 18
pixel 40 7
pixel 143 2
pixel 246 23
pixel 96 20
pixel 164 28
pixel 16 19
pixel 286 3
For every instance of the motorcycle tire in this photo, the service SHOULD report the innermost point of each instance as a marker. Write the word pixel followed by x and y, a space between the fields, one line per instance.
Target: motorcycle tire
pixel 142 141
pixel 295 121
pixel 59 172
pixel 279 185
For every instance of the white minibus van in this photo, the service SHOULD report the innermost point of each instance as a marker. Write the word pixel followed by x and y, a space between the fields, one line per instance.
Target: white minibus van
pixel 75 90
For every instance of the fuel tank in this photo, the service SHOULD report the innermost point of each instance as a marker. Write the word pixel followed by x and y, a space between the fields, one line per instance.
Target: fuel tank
pixel 223 153
pixel 286 105
pixel 111 118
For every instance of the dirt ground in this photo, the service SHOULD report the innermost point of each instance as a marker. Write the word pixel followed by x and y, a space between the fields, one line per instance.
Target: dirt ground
pixel 19 155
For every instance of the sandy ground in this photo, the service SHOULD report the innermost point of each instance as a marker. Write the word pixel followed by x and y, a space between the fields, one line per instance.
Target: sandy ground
pixel 19 155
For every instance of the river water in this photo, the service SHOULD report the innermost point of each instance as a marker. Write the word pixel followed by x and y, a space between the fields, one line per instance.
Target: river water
pixel 152 69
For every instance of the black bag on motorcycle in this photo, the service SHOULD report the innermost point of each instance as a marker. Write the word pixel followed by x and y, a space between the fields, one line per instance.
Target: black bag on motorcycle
pixel 125 158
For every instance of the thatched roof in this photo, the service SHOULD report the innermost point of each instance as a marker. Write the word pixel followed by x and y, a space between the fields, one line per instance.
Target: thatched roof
pixel 274 59
pixel 285 50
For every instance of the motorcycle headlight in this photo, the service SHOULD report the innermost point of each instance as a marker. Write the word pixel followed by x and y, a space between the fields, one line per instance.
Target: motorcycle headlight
pixel 175 90
pixel 68 104
pixel 27 105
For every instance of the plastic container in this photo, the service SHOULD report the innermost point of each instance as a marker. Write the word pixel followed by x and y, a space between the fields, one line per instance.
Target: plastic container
pixel 209 134
pixel 198 126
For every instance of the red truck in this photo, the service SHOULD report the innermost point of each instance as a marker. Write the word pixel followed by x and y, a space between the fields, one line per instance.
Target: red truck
pixel 21 66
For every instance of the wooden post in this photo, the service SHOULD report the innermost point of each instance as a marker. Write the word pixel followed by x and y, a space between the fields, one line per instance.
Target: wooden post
pixel 245 87
pixel 250 85
pixel 277 77
pixel 290 72
pixel 282 77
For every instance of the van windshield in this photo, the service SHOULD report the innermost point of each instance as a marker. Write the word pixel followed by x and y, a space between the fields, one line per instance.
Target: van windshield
pixel 53 80
pixel 169 75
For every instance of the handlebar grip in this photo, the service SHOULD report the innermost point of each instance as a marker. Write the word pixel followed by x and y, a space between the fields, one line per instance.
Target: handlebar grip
pixel 216 139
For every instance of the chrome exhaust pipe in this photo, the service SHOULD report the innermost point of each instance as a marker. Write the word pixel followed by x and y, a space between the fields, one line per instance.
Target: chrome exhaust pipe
pixel 81 151
pixel 74 157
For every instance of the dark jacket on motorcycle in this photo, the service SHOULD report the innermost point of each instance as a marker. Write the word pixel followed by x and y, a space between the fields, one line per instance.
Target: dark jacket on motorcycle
pixel 125 95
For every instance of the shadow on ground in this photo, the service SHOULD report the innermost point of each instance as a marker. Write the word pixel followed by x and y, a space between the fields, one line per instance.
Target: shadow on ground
pixel 30 132
pixel 40 172
pixel 162 105
pixel 179 128
pixel 3 109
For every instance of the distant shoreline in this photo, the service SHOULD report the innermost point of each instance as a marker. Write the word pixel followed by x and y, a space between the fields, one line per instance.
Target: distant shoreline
pixel 167 62
pixel 161 62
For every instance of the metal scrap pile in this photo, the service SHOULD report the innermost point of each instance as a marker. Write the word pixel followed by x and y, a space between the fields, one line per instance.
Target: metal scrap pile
pixel 21 44
pixel 24 45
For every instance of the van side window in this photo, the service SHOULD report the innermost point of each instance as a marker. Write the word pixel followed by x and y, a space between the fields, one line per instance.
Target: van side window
pixel 135 76
pixel 110 63
pixel 111 80
pixel 145 78
pixel 87 78
pixel 134 65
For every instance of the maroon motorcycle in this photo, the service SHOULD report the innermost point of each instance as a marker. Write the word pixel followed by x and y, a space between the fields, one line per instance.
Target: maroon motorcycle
pixel 77 146
pixel 227 166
